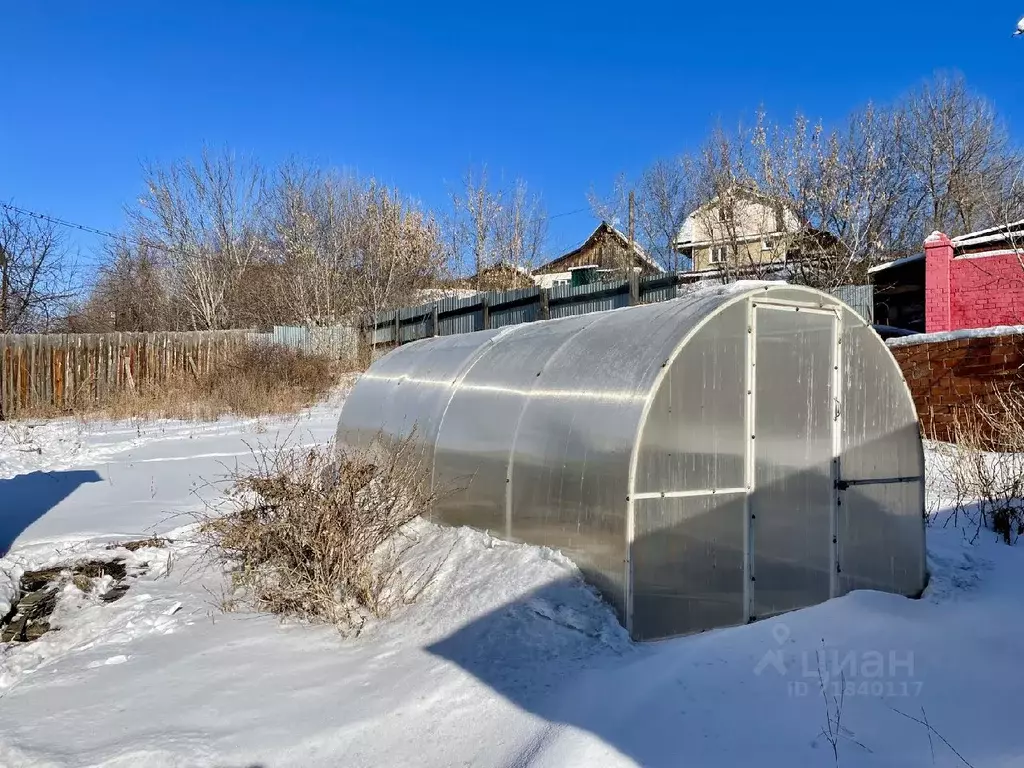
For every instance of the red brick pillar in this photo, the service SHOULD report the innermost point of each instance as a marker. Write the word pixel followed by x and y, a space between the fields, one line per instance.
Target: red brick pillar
pixel 938 253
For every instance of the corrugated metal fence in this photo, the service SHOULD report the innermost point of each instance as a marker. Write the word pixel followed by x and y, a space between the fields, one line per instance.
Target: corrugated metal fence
pixel 499 308
pixel 340 342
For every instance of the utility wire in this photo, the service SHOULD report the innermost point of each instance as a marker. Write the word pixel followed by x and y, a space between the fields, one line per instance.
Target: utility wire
pixel 60 222
pixel 115 236
pixel 83 227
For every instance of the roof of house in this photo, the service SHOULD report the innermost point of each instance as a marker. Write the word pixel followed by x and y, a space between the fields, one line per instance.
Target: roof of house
pixel 996 234
pixel 895 263
pixel 603 228
pixel 508 265
pixel 992 232
pixel 972 241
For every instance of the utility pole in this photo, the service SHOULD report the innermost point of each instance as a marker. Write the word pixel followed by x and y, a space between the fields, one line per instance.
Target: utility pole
pixel 5 287
pixel 631 275
pixel 632 232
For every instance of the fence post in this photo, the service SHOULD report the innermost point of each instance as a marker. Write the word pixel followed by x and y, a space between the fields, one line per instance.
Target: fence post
pixel 398 330
pixel 433 320
pixel 485 310
pixel 544 312
pixel 634 288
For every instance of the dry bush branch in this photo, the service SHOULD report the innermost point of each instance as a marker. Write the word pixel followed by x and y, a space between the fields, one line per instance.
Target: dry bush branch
pixel 982 470
pixel 317 534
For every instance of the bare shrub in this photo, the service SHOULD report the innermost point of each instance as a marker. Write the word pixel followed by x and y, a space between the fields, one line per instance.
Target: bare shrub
pixel 983 468
pixel 315 534
pixel 268 379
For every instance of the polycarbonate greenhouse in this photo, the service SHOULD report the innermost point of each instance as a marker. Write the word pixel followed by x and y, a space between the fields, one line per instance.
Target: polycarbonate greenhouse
pixel 706 461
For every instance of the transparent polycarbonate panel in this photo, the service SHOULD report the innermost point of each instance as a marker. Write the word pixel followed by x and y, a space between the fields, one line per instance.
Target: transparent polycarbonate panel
pixel 881 438
pixel 694 437
pixel 474 442
pixel 687 564
pixel 407 390
pixel 881 538
pixel 793 485
pixel 572 451
pixel 571 432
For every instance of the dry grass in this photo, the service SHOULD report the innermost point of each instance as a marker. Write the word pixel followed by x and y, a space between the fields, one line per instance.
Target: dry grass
pixel 316 534
pixel 983 468
pixel 250 381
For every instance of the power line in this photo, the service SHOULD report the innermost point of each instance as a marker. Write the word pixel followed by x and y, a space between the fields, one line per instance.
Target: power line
pixel 570 213
pixel 84 228
pixel 60 222
pixel 115 236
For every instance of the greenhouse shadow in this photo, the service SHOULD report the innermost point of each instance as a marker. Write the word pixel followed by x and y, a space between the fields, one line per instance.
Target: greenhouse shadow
pixel 27 498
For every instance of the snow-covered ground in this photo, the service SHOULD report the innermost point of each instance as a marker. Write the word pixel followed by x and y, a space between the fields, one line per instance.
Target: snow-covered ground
pixel 508 659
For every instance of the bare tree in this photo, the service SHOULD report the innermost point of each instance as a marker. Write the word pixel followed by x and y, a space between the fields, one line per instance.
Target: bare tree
pixel 520 227
pixel 667 195
pixel 314 221
pixel 206 217
pixel 471 231
pixel 494 225
pixel 960 156
pixel 847 189
pixel 37 273
pixel 395 248
pixel 130 293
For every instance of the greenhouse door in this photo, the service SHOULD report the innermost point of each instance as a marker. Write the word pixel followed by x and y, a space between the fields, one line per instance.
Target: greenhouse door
pixel 791 504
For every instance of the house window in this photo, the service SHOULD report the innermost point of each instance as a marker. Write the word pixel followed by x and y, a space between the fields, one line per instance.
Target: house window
pixel 768 244
pixel 723 213
pixel 718 254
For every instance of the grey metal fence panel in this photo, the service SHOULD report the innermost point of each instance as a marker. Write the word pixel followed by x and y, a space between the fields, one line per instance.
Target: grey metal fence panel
pixel 651 291
pixel 467 322
pixel 465 315
pixel 339 341
pixel 497 298
pixel 586 304
pixel 521 313
pixel 860 297
pixel 408 313
pixel 414 331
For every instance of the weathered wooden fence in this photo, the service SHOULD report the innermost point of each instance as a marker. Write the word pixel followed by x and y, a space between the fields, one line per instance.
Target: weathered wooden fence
pixel 499 308
pixel 59 371
pixel 62 370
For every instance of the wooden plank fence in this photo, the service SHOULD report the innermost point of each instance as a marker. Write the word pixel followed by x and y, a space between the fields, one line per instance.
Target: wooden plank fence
pixel 39 371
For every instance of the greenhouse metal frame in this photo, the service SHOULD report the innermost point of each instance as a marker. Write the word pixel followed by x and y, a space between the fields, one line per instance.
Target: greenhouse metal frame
pixel 706 461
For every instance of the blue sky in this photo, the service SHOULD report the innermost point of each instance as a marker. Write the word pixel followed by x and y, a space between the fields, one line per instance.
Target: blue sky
pixel 564 95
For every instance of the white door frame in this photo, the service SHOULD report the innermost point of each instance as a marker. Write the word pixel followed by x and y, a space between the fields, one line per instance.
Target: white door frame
pixel 750 412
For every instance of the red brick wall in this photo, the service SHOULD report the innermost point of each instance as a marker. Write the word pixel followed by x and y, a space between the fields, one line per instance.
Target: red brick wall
pixel 971 291
pixel 946 375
